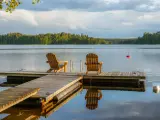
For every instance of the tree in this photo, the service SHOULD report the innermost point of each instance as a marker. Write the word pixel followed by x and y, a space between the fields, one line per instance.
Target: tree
pixel 10 5
pixel 50 38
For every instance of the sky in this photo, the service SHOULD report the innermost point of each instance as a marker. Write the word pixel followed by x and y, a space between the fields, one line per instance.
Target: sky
pixel 97 18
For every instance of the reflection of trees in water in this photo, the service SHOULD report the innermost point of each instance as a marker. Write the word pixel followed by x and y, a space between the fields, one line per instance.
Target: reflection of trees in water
pixel 153 57
pixel 92 97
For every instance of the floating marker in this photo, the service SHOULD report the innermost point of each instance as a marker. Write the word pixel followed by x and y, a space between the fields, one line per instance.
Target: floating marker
pixel 128 56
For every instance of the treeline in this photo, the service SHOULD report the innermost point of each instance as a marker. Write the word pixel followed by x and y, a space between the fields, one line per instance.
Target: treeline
pixel 147 38
pixel 68 38
pixel 120 40
pixel 57 38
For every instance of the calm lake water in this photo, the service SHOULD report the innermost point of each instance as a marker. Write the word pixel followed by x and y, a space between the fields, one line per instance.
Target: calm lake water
pixel 114 105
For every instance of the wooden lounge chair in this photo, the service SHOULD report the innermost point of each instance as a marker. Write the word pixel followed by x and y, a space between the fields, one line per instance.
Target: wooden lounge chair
pixel 92 63
pixel 55 64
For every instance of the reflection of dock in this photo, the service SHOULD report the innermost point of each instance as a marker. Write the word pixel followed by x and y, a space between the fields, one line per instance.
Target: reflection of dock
pixel 54 88
pixel 24 116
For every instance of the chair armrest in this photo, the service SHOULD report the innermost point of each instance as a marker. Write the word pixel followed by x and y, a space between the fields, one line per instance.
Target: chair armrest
pixel 63 62
pixel 100 63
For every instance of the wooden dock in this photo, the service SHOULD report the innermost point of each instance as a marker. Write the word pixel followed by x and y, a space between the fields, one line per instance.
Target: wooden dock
pixel 50 85
pixel 135 74
pixel 13 96
pixel 24 73
pixel 15 78
pixel 57 86
pixel 138 89
pixel 117 75
pixel 36 112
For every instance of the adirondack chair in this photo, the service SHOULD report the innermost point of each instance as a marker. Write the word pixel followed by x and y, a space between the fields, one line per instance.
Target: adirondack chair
pixel 92 63
pixel 55 64
pixel 92 96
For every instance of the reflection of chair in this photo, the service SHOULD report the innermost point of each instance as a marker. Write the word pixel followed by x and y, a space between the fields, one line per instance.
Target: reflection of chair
pixel 55 64
pixel 92 97
pixel 92 63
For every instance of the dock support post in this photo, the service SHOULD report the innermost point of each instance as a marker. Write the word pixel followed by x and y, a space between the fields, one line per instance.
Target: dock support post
pixel 70 66
pixel 80 65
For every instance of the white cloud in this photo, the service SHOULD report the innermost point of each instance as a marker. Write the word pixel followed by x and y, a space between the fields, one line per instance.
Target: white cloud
pixel 23 16
pixel 145 17
pixel 117 23
pixel 127 23
pixel 92 5
pixel 3 20
pixel 111 1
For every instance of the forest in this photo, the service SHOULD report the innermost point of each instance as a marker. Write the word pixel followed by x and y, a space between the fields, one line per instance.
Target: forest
pixel 147 38
pixel 49 38
pixel 68 38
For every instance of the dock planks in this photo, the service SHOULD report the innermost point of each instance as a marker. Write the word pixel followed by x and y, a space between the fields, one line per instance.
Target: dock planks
pixel 37 111
pixel 50 85
pixel 103 75
pixel 13 96
pixel 24 73
pixel 117 75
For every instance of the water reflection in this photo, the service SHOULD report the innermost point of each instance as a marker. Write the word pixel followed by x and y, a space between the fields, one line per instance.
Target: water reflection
pixel 92 97
pixel 94 94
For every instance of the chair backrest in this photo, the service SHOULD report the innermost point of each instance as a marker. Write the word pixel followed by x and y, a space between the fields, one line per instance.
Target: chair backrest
pixel 92 62
pixel 52 60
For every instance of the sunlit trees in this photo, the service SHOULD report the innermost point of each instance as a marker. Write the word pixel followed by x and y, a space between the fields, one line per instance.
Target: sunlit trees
pixel 147 38
pixel 10 5
pixel 57 38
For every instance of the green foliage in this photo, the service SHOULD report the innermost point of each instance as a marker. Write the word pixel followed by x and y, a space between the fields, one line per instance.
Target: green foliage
pixel 57 38
pixel 11 5
pixel 35 1
pixel 147 38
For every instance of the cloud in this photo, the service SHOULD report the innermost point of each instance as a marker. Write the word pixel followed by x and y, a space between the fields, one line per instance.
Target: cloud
pixel 117 111
pixel 117 23
pixel 22 16
pixel 93 5
pixel 145 17
pixel 127 23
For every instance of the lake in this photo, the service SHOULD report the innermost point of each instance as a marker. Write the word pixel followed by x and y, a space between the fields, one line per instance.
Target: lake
pixel 113 105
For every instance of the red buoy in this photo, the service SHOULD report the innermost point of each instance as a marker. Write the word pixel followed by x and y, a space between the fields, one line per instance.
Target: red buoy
pixel 128 56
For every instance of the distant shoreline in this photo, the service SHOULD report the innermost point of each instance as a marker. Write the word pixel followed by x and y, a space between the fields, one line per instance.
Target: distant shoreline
pixel 74 39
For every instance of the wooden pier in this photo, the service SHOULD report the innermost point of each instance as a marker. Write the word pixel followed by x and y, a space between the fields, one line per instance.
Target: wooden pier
pixel 46 111
pixel 12 96
pixel 50 85
pixel 55 87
